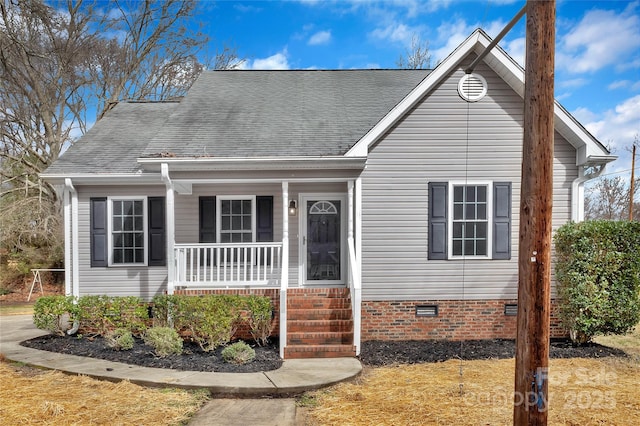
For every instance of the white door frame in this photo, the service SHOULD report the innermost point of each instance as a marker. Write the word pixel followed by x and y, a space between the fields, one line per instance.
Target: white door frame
pixel 302 236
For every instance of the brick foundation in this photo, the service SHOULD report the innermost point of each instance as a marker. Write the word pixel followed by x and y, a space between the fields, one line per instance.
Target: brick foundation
pixel 456 320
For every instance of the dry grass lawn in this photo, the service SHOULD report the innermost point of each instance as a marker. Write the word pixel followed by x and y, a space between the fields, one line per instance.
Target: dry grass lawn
pixel 582 392
pixel 30 396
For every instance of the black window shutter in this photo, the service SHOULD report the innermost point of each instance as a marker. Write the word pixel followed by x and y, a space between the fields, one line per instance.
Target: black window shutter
pixel 98 231
pixel 157 228
pixel 207 230
pixel 264 219
pixel 501 220
pixel 438 220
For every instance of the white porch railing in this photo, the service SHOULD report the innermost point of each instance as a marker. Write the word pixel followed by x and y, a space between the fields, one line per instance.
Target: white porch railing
pixel 355 286
pixel 228 265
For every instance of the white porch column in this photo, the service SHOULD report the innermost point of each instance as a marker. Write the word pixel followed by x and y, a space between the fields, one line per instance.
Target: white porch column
pixel 67 239
pixel 71 260
pixel 171 231
pixel 284 280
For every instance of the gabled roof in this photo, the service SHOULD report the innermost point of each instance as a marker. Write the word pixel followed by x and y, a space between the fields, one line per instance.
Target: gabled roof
pixel 589 150
pixel 280 113
pixel 236 120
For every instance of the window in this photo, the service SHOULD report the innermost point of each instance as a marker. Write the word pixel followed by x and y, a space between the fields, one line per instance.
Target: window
pixel 469 220
pixel 128 231
pixel 237 220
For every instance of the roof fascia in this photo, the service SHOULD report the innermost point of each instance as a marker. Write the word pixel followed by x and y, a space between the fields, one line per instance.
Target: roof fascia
pixel 255 164
pixel 589 150
pixel 104 179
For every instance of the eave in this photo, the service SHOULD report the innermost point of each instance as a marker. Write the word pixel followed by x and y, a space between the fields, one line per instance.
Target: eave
pixel 253 163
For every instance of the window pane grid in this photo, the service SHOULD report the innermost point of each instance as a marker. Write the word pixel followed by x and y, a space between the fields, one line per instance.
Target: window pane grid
pixel 469 236
pixel 236 218
pixel 127 231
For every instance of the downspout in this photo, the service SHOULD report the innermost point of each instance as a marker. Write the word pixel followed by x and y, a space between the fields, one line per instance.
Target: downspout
pixel 72 280
pixel 577 190
pixel 171 266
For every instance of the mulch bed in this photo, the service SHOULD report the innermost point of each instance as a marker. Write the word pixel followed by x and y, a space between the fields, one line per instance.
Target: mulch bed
pixel 193 358
pixel 379 353
pixel 373 353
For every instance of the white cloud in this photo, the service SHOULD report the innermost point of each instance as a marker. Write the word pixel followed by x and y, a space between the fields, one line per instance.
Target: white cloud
pixel 451 34
pixel 395 32
pixel 516 49
pixel 572 83
pixel 321 37
pixel 619 84
pixel 600 39
pixel 618 126
pixel 279 61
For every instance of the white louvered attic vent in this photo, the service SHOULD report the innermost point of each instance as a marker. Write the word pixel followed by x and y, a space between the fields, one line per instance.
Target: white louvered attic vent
pixel 472 87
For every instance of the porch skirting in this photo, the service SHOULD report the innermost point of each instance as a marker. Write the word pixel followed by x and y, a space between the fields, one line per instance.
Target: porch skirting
pixel 455 320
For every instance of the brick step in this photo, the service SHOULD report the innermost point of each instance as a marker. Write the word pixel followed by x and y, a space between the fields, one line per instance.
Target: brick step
pixel 319 338
pixel 319 314
pixel 342 325
pixel 318 303
pixel 319 351
pixel 318 293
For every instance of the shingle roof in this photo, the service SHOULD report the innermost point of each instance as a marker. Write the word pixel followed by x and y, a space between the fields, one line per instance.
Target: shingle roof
pixel 115 142
pixel 281 113
pixel 244 114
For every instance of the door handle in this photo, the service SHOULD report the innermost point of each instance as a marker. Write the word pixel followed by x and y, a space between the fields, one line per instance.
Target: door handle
pixel 304 240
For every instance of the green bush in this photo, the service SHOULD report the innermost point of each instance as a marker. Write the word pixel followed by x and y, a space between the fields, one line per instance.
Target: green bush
pixel 120 339
pixel 54 313
pixel 102 314
pixel 209 320
pixel 238 353
pixel 163 307
pixel 598 277
pixel 164 340
pixel 260 311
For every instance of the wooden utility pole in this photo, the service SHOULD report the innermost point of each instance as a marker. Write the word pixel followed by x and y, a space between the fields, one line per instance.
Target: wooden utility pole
pixel 631 184
pixel 534 258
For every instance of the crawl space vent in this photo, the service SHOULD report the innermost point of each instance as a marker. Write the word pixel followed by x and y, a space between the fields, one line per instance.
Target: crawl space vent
pixel 427 310
pixel 511 310
pixel 472 87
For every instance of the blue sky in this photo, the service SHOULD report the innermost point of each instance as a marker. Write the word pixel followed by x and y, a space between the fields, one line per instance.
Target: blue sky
pixel 597 45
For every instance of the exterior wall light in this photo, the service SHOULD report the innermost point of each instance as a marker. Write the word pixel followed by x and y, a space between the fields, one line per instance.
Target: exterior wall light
pixel 293 208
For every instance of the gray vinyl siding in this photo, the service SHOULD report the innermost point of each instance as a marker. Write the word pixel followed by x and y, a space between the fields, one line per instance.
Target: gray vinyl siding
pixel 141 281
pixel 146 282
pixel 443 139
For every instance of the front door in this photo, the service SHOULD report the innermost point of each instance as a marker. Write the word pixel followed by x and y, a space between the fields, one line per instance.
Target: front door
pixel 322 246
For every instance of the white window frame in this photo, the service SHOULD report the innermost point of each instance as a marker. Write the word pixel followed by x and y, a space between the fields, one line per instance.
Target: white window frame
pixel 489 185
pixel 221 198
pixel 145 230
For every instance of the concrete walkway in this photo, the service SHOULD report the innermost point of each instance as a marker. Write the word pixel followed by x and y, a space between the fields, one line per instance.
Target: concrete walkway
pixel 294 377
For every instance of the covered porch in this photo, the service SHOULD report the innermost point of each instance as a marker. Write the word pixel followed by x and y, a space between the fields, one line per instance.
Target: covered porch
pixel 312 245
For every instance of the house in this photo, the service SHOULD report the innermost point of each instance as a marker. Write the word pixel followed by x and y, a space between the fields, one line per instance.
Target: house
pixel 368 204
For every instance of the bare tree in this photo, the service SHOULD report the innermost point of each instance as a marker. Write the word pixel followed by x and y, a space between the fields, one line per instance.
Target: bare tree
pixel 608 198
pixel 417 57
pixel 154 58
pixel 63 58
